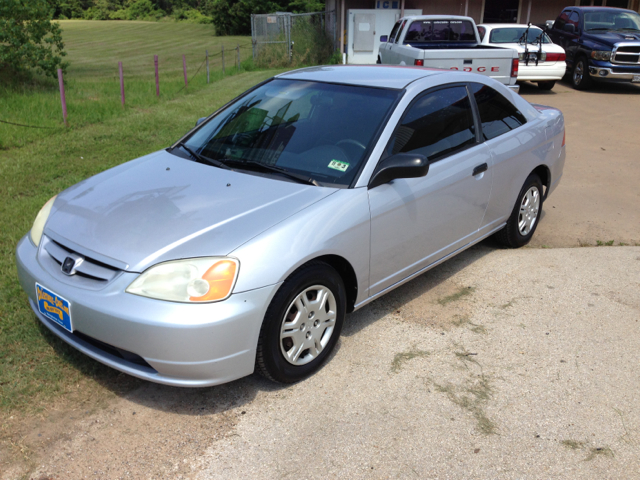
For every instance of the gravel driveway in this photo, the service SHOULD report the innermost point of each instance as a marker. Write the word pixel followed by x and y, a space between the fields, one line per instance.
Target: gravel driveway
pixel 497 364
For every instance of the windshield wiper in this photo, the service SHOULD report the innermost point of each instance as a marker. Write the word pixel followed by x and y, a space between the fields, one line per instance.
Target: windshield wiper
pixel 598 28
pixel 202 158
pixel 628 28
pixel 272 168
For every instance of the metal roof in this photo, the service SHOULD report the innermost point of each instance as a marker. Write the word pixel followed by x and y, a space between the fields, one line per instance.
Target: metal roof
pixel 381 76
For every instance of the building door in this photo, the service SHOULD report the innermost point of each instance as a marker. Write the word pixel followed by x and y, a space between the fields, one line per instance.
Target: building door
pixel 500 11
pixel 364 32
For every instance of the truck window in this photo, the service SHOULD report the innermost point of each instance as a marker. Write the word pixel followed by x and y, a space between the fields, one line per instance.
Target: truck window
pixel 497 114
pixel 394 32
pixel 437 124
pixel 440 31
pixel 561 21
pixel 400 30
pixel 574 19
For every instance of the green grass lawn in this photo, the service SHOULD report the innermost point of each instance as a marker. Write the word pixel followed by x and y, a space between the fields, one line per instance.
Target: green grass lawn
pixel 92 83
pixel 34 364
pixel 36 367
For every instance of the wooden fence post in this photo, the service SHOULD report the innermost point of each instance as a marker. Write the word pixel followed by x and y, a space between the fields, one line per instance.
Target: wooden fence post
pixel 62 97
pixel 207 52
pixel 155 63
pixel 238 57
pixel 222 59
pixel 121 83
pixel 184 68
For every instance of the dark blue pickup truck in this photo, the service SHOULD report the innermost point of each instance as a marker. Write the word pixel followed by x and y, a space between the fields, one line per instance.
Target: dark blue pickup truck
pixel 601 43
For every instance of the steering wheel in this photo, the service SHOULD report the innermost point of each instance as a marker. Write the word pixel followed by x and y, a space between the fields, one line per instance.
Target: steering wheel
pixel 352 142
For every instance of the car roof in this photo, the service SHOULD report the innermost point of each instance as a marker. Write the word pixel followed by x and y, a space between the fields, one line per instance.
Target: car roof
pixel 507 25
pixel 593 9
pixel 380 76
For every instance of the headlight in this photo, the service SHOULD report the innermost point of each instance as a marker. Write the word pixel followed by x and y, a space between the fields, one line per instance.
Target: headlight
pixel 603 55
pixel 206 279
pixel 41 219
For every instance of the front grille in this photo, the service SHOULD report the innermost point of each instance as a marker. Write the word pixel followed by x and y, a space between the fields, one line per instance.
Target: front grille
pixel 627 54
pixel 90 274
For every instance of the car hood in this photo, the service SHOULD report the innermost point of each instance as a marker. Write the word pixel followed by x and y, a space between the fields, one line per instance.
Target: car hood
pixel 162 207
pixel 611 38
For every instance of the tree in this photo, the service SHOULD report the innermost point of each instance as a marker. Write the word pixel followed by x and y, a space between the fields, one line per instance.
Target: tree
pixel 233 17
pixel 28 38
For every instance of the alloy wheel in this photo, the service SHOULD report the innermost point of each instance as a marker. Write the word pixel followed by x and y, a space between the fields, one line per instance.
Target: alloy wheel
pixel 529 209
pixel 308 325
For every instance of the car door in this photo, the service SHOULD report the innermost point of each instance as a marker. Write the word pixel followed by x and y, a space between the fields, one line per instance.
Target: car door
pixel 566 39
pixel 417 221
pixel 384 48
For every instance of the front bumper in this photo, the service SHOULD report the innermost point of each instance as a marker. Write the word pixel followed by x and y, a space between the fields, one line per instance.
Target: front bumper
pixel 611 73
pixel 187 345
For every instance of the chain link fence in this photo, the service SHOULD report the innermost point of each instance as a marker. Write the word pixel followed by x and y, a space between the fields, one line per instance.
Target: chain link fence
pixel 282 38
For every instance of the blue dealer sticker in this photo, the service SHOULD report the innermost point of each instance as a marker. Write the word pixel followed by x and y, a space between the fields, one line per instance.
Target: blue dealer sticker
pixel 54 307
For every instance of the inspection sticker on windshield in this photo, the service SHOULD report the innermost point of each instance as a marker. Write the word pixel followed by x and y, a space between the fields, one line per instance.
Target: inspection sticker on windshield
pixel 338 165
pixel 54 307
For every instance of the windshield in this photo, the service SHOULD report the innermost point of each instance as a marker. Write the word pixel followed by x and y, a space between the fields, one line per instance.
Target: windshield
pixel 611 20
pixel 514 35
pixel 319 130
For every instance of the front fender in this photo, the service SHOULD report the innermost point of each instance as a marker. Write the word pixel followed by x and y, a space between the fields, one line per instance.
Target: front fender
pixel 337 225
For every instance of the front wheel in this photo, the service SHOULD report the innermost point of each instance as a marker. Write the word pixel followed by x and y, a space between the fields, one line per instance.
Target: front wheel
pixel 546 85
pixel 580 78
pixel 523 220
pixel 302 324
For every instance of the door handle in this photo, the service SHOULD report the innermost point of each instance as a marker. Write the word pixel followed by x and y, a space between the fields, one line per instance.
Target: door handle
pixel 479 169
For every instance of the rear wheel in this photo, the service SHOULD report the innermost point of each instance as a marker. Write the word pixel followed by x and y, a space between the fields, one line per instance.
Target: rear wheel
pixel 580 78
pixel 302 324
pixel 548 85
pixel 523 220
pixel 379 61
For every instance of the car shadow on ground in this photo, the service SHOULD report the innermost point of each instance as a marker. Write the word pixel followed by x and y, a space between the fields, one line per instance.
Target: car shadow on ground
pixel 528 88
pixel 222 398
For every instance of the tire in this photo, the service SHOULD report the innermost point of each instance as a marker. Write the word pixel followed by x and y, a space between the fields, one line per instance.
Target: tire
pixel 379 61
pixel 546 85
pixel 524 218
pixel 580 78
pixel 296 340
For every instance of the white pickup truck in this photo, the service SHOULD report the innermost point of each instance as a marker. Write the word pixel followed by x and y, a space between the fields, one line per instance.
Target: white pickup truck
pixel 448 42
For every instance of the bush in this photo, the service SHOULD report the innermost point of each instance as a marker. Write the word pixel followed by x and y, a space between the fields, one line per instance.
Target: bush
pixel 311 46
pixel 190 15
pixel 233 17
pixel 28 38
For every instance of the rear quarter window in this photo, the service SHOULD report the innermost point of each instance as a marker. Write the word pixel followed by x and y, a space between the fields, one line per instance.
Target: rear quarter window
pixel 497 114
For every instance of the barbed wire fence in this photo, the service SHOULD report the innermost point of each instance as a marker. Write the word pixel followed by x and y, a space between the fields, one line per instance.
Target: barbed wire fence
pixel 235 61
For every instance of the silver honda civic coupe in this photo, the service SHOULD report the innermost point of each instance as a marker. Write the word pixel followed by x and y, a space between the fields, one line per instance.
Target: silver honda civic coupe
pixel 244 245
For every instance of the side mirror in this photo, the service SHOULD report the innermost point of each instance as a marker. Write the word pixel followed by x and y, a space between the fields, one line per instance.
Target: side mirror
pixel 384 39
pixel 200 120
pixel 570 28
pixel 401 165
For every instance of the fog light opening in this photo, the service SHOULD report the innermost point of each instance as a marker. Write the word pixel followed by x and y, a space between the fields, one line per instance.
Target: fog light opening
pixel 603 73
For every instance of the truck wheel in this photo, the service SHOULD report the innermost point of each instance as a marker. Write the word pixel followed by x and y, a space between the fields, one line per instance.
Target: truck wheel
pixel 379 62
pixel 580 78
pixel 546 85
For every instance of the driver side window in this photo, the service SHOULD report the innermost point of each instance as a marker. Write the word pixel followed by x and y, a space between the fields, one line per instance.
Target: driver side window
pixel 437 124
